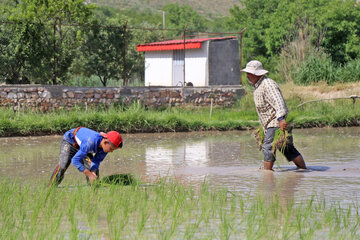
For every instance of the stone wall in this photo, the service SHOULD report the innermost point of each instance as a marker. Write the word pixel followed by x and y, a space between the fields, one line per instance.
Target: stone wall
pixel 48 98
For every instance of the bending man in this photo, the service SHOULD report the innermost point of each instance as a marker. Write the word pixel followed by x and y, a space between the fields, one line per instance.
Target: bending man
pixel 78 146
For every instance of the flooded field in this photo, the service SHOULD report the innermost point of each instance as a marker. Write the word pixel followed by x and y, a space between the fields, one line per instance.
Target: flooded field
pixel 237 201
pixel 224 159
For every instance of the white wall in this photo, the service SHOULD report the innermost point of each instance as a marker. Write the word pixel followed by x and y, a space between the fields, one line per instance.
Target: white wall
pixel 196 65
pixel 158 68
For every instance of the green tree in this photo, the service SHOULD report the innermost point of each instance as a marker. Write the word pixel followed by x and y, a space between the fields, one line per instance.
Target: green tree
pixel 177 17
pixel 254 17
pixel 136 60
pixel 12 57
pixel 146 18
pixel 43 27
pixel 102 51
pixel 342 22
pixel 21 51
pixel 271 24
pixel 104 44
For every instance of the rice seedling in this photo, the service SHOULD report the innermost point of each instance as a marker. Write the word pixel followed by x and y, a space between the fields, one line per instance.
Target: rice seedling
pixel 281 139
pixel 166 210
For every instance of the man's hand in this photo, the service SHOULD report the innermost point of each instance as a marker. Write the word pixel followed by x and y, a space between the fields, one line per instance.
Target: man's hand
pixel 91 175
pixel 283 124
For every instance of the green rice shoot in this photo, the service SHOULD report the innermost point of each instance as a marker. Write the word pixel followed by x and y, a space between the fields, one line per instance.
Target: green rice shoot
pixel 166 210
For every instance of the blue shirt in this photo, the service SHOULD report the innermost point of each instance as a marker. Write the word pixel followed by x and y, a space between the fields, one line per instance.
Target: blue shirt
pixel 89 142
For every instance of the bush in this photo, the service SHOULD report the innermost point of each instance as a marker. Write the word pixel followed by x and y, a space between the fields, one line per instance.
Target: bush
pixel 316 69
pixel 350 72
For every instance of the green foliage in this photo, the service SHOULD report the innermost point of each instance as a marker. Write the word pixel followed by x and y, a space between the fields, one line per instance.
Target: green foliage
pixel 207 9
pixel 146 18
pixel 271 25
pixel 179 16
pixel 350 72
pixel 316 69
pixel 47 41
pixel 104 43
pixel 11 61
pixel 342 22
pixel 102 50
pixel 41 47
pixel 299 49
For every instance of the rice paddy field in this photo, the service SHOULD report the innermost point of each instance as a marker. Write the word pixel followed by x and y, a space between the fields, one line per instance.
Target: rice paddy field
pixel 200 185
pixel 166 210
pixel 192 179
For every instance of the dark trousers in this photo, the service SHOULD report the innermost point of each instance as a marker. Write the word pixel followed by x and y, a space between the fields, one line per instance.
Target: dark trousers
pixel 67 152
pixel 290 152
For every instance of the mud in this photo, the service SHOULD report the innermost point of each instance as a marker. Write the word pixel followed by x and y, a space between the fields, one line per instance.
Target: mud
pixel 224 159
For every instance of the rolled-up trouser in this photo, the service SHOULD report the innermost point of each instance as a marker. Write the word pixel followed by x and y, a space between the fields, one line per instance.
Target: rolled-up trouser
pixel 67 152
pixel 290 152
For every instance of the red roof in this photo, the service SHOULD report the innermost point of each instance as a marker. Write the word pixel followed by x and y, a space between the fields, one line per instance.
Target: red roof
pixel 176 44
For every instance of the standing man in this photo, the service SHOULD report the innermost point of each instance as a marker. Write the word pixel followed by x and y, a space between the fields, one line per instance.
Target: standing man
pixel 271 108
pixel 78 146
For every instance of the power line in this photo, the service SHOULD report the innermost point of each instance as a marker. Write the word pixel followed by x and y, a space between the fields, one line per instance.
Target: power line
pixel 122 26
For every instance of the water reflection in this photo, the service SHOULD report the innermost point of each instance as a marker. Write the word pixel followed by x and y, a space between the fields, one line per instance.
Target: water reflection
pixel 165 160
pixel 224 159
pixel 282 187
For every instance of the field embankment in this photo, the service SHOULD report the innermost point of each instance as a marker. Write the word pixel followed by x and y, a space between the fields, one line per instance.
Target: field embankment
pixel 333 113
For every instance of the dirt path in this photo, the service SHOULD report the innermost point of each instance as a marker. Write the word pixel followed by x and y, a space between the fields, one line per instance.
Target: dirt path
pixel 320 91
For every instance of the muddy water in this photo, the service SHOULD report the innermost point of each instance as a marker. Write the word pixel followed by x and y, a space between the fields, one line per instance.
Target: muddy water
pixel 229 159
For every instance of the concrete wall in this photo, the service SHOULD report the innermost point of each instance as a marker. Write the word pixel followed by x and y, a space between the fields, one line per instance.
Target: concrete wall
pixel 49 98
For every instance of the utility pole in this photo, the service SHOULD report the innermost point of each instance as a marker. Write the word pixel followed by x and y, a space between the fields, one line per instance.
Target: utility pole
pixel 163 16
pixel 184 35
pixel 54 49
pixel 124 55
pixel 240 52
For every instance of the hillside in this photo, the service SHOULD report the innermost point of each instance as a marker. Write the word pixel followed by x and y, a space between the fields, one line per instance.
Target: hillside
pixel 213 8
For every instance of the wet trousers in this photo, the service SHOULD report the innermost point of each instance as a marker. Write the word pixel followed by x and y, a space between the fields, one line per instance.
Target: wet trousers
pixel 67 152
pixel 290 152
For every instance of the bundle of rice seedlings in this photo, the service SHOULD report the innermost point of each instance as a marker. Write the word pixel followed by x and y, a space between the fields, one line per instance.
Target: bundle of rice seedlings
pixel 281 139
pixel 118 179
pixel 259 136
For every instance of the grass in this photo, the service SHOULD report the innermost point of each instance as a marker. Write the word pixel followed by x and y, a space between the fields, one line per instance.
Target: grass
pixel 132 119
pixel 136 118
pixel 166 210
pixel 316 69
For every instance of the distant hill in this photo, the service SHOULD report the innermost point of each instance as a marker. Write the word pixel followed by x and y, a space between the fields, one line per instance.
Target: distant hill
pixel 207 8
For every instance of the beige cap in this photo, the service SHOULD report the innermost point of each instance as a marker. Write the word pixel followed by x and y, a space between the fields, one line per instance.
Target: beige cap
pixel 255 67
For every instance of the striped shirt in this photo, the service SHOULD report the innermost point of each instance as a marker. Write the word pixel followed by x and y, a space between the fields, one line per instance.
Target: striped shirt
pixel 269 102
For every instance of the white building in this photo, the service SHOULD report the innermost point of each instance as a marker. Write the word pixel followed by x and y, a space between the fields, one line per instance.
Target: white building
pixel 207 61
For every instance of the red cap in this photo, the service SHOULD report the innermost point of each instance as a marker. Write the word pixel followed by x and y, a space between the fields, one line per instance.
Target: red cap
pixel 114 137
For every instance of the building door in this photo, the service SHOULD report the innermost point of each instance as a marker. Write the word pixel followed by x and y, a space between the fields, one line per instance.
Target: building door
pixel 178 67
